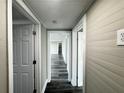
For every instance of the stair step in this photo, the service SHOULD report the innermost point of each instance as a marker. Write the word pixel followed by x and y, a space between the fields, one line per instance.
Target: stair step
pixel 59 79
pixel 59 76
pixel 58 66
pixel 60 90
pixel 59 69
pixel 63 74
pixel 60 72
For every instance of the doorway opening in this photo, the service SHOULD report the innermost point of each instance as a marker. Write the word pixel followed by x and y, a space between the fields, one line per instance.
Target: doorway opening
pixel 59 55
pixel 60 64
pixel 78 54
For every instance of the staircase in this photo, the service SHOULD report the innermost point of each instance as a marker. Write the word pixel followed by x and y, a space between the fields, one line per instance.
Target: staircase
pixel 59 68
pixel 59 83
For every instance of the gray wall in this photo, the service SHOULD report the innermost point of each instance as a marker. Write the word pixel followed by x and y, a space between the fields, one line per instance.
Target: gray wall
pixel 3 49
pixel 105 60
pixel 43 56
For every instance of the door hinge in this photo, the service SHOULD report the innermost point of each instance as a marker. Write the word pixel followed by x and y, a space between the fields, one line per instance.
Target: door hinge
pixel 34 32
pixel 34 62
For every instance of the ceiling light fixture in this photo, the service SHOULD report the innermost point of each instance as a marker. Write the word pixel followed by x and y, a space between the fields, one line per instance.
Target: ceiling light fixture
pixel 54 22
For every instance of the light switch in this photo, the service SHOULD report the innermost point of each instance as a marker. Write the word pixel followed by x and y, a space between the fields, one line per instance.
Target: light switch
pixel 120 37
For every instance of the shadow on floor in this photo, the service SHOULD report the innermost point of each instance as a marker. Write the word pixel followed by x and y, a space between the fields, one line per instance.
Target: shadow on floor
pixel 62 87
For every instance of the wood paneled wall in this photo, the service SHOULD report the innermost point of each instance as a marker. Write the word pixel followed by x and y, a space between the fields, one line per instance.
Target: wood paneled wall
pixel 105 60
pixel 3 49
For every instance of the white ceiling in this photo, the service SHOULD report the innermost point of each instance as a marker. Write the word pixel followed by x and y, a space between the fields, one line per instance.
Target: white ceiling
pixel 65 12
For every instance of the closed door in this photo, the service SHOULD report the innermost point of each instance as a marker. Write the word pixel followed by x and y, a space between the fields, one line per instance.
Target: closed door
pixel 23 67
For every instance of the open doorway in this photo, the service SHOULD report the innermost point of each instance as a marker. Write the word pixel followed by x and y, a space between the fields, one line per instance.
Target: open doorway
pixel 59 55
pixel 61 68
pixel 77 59
pixel 59 62
pixel 78 54
pixel 60 50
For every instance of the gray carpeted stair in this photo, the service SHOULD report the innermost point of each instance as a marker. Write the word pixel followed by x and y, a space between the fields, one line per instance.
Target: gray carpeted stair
pixel 59 68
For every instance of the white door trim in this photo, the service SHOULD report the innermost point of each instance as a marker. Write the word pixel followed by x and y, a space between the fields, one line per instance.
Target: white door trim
pixel 49 53
pixel 26 11
pixel 10 46
pixel 77 28
pixel 84 68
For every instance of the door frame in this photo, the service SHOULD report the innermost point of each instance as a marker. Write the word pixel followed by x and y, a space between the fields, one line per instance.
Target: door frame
pixel 77 74
pixel 84 51
pixel 75 29
pixel 27 12
pixel 49 53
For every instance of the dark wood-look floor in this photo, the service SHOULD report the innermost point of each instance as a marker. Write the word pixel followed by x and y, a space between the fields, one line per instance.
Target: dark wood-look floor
pixel 62 87
pixel 59 83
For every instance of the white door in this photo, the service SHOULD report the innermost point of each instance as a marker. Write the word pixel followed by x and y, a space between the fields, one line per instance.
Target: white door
pixel 23 67
pixel 80 58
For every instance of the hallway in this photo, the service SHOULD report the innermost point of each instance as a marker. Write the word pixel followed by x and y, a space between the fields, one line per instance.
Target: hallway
pixel 91 35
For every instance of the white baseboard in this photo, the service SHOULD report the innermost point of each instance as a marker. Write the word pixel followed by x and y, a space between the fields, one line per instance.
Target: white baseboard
pixel 44 87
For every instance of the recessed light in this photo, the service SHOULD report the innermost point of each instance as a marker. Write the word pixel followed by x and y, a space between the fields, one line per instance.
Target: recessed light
pixel 54 22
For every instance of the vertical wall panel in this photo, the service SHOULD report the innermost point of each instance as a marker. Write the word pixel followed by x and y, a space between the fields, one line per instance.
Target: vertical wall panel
pixel 3 55
pixel 105 60
pixel 43 56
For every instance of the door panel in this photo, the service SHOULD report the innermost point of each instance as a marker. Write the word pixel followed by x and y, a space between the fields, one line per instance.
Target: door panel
pixel 23 67
pixel 14 52
pixel 15 83
pixel 25 50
